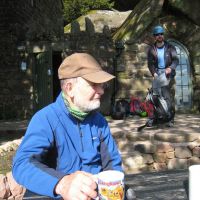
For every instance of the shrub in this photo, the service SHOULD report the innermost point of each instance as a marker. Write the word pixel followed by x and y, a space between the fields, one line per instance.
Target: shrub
pixel 75 8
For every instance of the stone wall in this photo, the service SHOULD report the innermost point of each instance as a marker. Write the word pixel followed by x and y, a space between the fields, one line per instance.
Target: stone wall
pixel 133 75
pixel 163 152
pixel 9 189
pixel 159 148
pixel 44 26
pixel 22 21
pixel 181 25
pixel 18 28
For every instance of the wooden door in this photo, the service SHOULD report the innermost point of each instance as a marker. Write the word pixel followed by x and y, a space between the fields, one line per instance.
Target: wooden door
pixel 43 91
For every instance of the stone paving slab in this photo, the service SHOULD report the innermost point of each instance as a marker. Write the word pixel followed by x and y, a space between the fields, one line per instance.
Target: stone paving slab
pixel 9 126
pixel 185 124
pixel 145 150
pixel 181 120
pixel 12 130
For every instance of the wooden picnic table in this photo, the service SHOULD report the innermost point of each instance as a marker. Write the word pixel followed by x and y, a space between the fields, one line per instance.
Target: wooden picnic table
pixel 165 185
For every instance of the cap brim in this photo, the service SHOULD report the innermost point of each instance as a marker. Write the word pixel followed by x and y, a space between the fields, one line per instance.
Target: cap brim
pixel 98 77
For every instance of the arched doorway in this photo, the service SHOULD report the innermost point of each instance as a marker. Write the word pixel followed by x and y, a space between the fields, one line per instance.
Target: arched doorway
pixel 183 91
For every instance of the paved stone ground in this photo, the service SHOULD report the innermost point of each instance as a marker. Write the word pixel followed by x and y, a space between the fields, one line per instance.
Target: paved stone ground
pixel 131 143
pixel 138 149
pixel 11 130
pixel 184 124
pixel 186 129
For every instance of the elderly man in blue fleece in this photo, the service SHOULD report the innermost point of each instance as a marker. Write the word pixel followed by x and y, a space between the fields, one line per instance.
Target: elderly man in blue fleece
pixel 68 141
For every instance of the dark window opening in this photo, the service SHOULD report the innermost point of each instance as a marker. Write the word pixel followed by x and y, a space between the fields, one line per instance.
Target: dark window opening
pixel 57 59
pixel 183 93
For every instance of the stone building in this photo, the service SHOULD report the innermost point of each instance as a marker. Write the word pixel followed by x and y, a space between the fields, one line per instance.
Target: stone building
pixel 24 25
pixel 33 44
pixel 181 22
pixel 130 36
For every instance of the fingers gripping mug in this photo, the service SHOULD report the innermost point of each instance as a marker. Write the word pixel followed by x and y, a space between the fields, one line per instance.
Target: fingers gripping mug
pixel 110 185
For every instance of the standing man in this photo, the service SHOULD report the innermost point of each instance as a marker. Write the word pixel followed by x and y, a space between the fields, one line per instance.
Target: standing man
pixel 163 60
pixel 68 141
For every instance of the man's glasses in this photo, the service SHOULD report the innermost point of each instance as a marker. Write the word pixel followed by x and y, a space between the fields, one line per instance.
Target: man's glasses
pixel 96 85
pixel 158 34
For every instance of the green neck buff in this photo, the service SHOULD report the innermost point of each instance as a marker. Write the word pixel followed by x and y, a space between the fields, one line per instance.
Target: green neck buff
pixel 74 111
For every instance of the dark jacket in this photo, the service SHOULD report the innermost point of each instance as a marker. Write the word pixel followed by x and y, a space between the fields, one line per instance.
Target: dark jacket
pixel 170 56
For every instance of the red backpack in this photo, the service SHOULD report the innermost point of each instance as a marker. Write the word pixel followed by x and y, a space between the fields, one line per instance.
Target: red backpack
pixel 148 107
pixel 135 106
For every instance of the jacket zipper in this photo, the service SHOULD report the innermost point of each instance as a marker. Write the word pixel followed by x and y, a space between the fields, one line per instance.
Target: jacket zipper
pixel 81 136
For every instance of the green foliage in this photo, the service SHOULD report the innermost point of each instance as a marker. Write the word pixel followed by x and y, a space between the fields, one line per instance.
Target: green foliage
pixel 75 8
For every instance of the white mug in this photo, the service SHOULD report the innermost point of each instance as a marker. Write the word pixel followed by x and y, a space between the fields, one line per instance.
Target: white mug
pixel 194 178
pixel 110 185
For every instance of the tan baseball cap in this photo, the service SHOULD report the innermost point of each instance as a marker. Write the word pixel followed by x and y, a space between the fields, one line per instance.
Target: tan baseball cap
pixel 85 66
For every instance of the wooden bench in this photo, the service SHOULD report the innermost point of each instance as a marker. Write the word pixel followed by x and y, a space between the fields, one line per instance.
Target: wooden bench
pixel 166 185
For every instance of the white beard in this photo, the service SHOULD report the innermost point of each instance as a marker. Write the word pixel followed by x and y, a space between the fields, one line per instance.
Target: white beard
pixel 86 106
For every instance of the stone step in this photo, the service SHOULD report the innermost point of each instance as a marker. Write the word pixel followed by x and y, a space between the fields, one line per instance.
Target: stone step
pixel 10 135
pixel 144 147
pixel 134 162
pixel 176 136
pixel 11 130
pixel 135 136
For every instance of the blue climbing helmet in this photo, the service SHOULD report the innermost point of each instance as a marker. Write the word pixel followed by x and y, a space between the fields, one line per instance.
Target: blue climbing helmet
pixel 158 29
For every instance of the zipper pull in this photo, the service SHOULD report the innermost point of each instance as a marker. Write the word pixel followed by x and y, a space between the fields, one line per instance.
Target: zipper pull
pixel 81 136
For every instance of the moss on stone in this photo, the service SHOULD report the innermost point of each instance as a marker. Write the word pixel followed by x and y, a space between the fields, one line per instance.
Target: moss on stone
pixel 80 21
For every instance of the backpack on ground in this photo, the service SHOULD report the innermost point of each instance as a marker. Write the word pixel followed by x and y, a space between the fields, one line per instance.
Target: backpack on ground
pixel 143 109
pixel 163 109
pixel 121 109
pixel 148 107
pixel 135 106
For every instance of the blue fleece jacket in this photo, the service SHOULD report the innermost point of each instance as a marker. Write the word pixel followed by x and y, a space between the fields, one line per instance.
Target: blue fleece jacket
pixel 56 144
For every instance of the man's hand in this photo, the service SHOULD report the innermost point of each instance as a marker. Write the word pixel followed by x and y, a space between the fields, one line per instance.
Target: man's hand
pixel 168 71
pixel 77 186
pixel 155 75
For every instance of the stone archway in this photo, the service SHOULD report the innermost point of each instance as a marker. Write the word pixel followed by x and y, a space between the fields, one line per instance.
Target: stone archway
pixel 183 91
